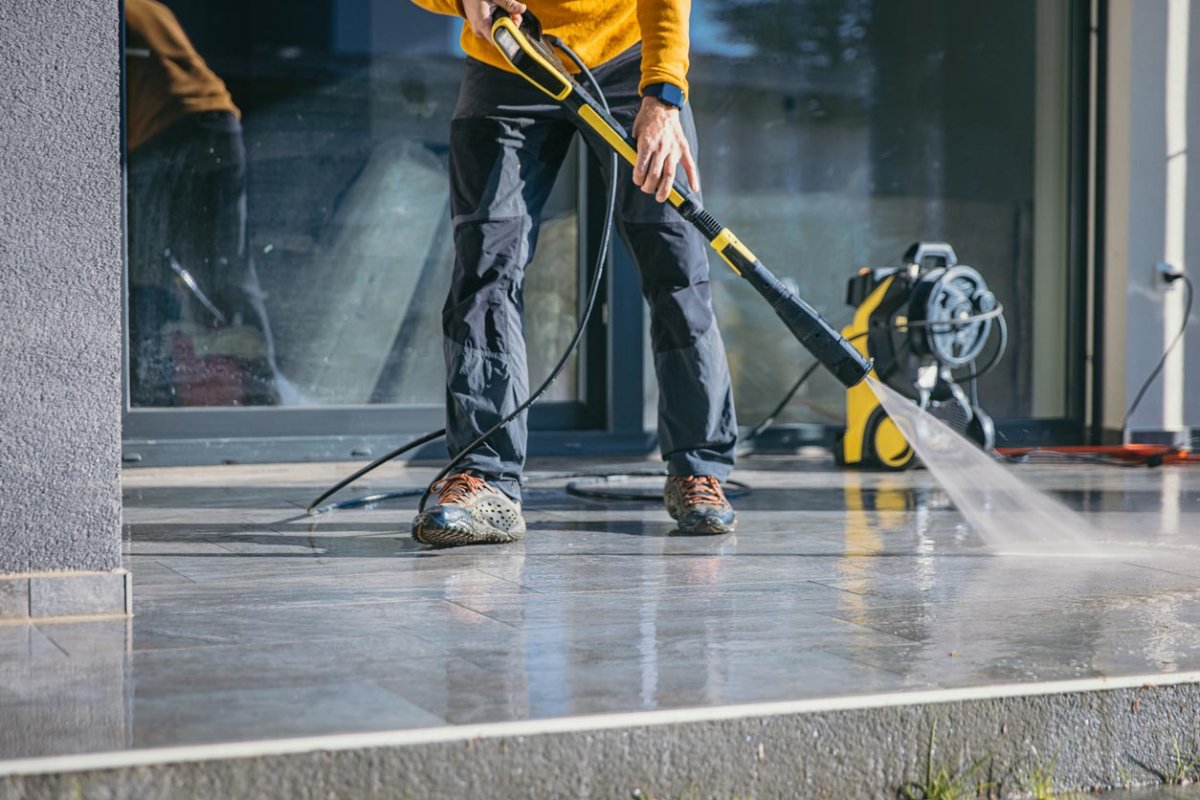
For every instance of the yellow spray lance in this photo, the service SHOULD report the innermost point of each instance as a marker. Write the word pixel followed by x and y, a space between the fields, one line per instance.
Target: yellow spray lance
pixel 524 48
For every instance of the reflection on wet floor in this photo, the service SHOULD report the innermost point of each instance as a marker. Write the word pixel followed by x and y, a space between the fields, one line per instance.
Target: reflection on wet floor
pixel 254 621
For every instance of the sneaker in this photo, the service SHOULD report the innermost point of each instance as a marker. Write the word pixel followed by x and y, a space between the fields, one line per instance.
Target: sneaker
pixel 468 511
pixel 698 504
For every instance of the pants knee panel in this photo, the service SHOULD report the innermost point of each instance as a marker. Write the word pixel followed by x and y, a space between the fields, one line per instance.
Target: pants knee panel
pixel 675 281
pixel 485 305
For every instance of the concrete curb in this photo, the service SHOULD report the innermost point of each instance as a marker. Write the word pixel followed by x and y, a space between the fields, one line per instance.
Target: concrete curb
pixel 65 596
pixel 1102 737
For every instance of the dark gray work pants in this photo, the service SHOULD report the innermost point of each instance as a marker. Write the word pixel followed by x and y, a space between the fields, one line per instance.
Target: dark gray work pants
pixel 507 143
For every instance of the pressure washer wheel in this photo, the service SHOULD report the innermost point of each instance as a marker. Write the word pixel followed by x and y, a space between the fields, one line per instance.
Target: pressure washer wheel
pixel 884 445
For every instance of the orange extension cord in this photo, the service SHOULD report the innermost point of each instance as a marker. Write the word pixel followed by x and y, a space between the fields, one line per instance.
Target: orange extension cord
pixel 1148 454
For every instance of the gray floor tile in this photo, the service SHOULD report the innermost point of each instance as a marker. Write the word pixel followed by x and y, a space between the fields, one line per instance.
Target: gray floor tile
pixel 271 712
pixel 21 643
pixel 417 621
pixel 94 639
pixel 150 573
pixel 317 590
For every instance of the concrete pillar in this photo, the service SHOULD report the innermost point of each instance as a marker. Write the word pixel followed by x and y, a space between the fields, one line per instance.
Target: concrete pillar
pixel 60 309
pixel 1150 215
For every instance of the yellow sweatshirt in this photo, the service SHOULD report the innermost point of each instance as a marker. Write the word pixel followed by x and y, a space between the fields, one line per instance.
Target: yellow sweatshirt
pixel 599 30
pixel 165 78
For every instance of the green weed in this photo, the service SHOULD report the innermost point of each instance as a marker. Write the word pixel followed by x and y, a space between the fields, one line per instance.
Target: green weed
pixel 1039 784
pixel 943 784
pixel 1184 767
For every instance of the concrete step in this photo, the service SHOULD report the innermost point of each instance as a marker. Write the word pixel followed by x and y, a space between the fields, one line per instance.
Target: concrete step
pixel 1092 734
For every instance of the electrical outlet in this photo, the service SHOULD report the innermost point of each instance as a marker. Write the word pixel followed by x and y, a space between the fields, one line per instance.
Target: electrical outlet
pixel 1168 273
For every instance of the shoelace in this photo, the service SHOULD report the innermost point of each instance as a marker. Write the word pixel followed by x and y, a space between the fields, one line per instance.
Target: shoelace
pixel 701 490
pixel 457 486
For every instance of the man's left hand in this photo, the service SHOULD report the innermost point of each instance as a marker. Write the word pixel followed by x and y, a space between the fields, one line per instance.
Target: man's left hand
pixel 662 149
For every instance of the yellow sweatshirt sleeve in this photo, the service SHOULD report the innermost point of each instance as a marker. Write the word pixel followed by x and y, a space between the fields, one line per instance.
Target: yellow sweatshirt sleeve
pixel 451 7
pixel 665 41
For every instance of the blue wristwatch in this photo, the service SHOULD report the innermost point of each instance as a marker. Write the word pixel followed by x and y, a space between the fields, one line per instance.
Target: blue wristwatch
pixel 669 93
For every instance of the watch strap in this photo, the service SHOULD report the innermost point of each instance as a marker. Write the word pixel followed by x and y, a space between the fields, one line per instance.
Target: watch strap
pixel 668 93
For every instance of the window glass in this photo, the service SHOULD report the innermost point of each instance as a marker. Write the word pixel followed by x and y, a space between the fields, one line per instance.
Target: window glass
pixel 834 133
pixel 289 230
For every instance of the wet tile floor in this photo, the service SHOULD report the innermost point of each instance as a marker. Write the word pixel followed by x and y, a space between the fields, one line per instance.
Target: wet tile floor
pixel 255 622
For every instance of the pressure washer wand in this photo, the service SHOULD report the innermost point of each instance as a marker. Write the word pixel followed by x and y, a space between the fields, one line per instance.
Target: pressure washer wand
pixel 523 48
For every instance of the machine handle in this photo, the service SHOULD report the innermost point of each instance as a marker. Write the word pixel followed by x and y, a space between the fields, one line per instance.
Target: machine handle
pixel 920 252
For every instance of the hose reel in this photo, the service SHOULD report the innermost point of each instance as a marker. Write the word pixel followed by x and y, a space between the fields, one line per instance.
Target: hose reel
pixel 926 324
pixel 949 315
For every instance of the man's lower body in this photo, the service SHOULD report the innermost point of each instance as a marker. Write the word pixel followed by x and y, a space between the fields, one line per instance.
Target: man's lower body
pixel 507 144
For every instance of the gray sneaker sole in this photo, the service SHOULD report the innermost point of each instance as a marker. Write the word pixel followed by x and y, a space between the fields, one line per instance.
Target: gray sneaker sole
pixel 707 526
pixel 462 535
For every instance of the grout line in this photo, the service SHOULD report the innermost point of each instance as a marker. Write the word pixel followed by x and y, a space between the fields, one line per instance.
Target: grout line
pixel 477 612
pixel 566 725
pixel 50 639
pixel 517 584
pixel 172 569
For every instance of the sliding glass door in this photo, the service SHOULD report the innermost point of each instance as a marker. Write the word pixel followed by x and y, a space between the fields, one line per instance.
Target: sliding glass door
pixel 289 238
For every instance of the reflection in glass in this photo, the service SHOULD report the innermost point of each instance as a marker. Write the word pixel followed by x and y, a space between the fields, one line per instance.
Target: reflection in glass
pixel 834 133
pixel 344 230
pixel 198 333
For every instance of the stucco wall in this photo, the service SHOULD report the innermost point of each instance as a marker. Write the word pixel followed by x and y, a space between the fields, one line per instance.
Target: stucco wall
pixel 60 285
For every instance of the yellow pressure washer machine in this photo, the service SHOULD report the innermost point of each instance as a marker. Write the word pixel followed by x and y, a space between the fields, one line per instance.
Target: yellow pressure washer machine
pixel 925 324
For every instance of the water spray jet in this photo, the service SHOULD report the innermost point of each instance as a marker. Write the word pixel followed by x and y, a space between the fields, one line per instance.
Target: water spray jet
pixel 1011 516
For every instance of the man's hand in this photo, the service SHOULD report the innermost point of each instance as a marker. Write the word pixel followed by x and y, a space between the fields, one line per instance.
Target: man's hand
pixel 479 14
pixel 662 148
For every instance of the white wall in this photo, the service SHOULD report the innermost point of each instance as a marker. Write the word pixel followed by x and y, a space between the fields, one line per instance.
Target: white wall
pixel 1154 65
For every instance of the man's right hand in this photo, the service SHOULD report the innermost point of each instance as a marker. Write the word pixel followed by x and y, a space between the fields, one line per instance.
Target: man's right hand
pixel 479 14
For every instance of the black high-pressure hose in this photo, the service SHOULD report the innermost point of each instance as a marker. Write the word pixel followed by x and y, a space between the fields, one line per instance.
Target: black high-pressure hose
pixel 593 292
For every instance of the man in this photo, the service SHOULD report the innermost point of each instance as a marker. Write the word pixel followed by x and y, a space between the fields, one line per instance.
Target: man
pixel 507 142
